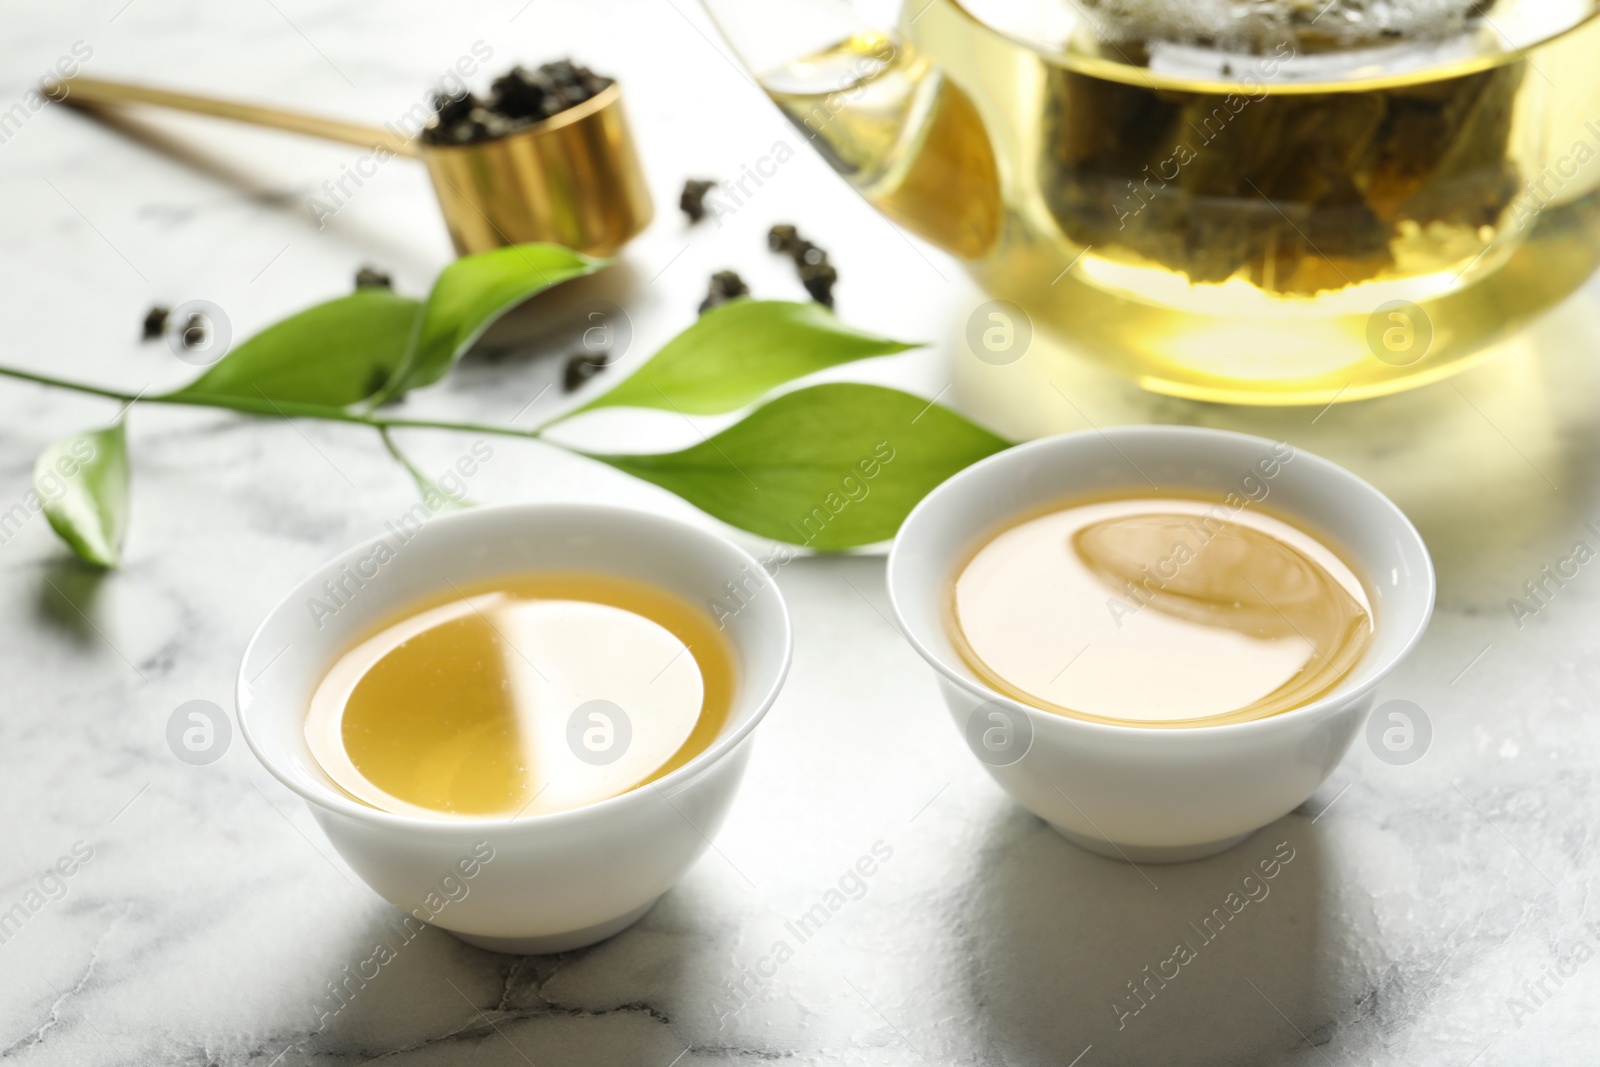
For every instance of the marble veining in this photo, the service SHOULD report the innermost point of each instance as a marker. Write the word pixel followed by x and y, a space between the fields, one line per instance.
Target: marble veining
pixel 1432 914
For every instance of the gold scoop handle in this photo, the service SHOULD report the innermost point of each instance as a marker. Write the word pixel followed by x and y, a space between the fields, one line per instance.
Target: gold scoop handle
pixel 94 92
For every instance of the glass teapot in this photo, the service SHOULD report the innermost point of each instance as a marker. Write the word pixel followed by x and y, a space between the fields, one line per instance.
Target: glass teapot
pixel 1248 201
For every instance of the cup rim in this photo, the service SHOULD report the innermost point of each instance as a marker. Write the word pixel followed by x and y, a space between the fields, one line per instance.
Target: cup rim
pixel 1340 696
pixel 329 799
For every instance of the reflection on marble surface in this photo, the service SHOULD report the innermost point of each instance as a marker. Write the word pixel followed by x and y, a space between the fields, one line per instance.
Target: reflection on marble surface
pixel 1432 914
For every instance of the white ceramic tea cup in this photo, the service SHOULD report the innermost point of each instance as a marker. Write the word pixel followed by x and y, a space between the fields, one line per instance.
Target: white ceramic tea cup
pixel 1150 794
pixel 545 882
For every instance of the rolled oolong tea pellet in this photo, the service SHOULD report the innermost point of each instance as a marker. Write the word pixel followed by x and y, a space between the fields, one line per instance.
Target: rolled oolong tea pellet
pixel 369 277
pixel 582 366
pixel 155 323
pixel 517 100
pixel 692 201
pixel 817 274
pixel 725 286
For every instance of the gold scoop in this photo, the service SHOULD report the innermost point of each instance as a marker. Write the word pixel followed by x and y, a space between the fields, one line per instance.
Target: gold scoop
pixel 573 179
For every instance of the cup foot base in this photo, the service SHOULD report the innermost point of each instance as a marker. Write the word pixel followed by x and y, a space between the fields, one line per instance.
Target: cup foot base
pixel 548 943
pixel 1148 853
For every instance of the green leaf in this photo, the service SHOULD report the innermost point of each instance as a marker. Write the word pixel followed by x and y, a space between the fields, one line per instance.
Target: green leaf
pixel 432 493
pixel 82 483
pixel 335 353
pixel 832 466
pixel 738 352
pixel 434 497
pixel 470 294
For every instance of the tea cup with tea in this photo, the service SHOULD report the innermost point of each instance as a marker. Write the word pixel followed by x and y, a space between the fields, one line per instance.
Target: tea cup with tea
pixel 450 700
pixel 1159 638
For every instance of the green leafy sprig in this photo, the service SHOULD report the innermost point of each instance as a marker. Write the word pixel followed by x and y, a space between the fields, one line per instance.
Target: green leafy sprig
pixel 830 466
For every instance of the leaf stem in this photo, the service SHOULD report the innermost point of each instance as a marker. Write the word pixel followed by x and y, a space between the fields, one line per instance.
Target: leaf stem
pixel 265 406
pixel 63 383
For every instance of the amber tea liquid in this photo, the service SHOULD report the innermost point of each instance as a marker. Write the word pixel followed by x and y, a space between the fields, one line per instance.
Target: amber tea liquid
pixel 1241 218
pixel 523 695
pixel 1159 611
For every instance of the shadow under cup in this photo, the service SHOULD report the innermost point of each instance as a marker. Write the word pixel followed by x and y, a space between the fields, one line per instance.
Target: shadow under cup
pixel 542 883
pixel 1162 794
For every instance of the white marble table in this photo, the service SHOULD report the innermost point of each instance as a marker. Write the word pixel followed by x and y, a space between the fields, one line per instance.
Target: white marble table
pixel 1433 914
